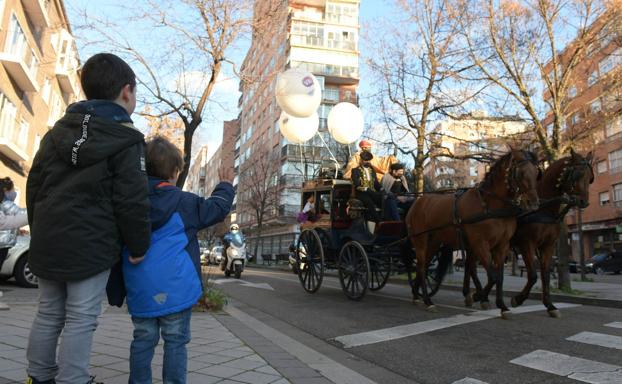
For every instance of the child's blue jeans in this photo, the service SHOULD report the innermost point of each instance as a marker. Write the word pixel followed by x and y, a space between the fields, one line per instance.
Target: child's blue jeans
pixel 175 330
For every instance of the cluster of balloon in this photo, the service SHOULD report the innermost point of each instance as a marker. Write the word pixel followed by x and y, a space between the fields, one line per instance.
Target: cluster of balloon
pixel 299 94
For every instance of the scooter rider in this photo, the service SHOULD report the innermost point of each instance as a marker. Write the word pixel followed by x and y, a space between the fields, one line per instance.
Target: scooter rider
pixel 234 236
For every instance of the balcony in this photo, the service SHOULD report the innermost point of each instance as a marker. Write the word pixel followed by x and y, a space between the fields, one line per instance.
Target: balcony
pixel 336 74
pixel 37 11
pixel 13 139
pixel 66 62
pixel 21 64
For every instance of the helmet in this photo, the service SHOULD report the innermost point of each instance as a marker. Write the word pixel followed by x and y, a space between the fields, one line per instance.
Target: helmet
pixel 234 227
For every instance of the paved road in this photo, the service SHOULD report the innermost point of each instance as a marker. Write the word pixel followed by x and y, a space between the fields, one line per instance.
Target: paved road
pixel 389 340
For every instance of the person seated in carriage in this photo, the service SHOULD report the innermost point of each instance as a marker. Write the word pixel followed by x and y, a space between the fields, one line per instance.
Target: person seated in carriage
pixel 380 164
pixel 367 187
pixel 395 186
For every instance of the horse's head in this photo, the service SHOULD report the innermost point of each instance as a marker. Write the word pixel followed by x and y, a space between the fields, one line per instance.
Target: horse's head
pixel 575 177
pixel 522 175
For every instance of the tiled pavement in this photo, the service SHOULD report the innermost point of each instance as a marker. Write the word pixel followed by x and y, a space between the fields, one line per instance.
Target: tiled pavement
pixel 215 354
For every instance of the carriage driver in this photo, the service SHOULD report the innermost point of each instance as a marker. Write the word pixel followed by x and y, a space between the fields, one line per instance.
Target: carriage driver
pixel 367 186
pixel 394 184
pixel 380 164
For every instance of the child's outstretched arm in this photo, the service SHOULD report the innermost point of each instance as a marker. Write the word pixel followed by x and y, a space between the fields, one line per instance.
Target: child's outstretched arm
pixel 215 208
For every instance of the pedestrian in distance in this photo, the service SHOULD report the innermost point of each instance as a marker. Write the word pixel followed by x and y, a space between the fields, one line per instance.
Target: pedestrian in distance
pixel 165 285
pixel 12 217
pixel 87 197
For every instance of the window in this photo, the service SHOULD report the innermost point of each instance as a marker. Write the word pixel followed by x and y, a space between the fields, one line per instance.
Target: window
pixel 572 91
pixel 47 88
pixel 595 106
pixel 18 45
pixel 331 94
pixel 574 119
pixel 613 127
pixel 602 166
pixel 593 78
pixel 617 193
pixel 615 161
pixel 603 198
pixel 610 62
pixel 8 115
pixel 22 138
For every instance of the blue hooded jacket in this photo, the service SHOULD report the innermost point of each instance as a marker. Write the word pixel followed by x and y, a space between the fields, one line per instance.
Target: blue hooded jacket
pixel 168 280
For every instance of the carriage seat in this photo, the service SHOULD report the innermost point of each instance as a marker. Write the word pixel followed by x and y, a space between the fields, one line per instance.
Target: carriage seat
pixel 389 228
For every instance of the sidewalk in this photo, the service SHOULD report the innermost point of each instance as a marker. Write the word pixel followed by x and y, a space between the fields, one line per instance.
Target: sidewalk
pixel 215 354
pixel 603 291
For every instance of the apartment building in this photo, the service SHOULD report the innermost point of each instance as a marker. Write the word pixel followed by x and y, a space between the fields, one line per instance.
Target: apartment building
pixel 462 140
pixel 320 36
pixel 195 181
pixel 594 112
pixel 38 79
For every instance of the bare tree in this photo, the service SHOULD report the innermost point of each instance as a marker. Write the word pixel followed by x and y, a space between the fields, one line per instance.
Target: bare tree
pixel 258 188
pixel 417 66
pixel 517 45
pixel 195 39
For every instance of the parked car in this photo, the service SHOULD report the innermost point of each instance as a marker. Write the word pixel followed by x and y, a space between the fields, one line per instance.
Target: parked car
pixel 215 255
pixel 605 262
pixel 204 256
pixel 16 264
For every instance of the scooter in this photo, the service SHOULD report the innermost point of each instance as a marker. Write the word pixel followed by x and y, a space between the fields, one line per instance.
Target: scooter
pixel 235 259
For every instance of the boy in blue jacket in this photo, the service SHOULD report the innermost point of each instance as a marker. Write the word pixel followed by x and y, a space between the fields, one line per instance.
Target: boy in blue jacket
pixel 163 286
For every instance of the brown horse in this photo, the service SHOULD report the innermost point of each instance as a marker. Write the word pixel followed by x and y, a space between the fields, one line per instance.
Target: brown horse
pixel 482 219
pixel 565 183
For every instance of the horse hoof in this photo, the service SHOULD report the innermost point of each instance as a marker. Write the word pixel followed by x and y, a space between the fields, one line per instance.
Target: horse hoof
pixel 468 300
pixel 417 301
pixel 555 313
pixel 506 315
pixel 484 305
pixel 432 308
pixel 514 302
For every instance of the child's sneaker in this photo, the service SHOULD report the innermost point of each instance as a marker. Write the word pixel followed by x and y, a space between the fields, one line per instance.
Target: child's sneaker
pixel 31 380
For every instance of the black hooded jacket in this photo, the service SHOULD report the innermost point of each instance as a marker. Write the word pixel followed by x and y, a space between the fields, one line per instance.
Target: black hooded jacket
pixel 87 193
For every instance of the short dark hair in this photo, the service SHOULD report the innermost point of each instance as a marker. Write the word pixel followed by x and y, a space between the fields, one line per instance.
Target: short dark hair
pixel 366 156
pixel 104 75
pixel 6 184
pixel 163 158
pixel 396 166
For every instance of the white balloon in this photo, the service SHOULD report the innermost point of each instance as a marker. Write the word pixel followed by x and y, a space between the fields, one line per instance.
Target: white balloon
pixel 297 130
pixel 345 123
pixel 298 92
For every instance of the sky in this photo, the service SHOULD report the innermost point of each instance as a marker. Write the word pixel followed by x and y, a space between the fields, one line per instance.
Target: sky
pixel 226 93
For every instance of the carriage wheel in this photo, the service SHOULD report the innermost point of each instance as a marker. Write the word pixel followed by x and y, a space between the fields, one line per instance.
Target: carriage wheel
pixel 380 270
pixel 353 270
pixel 310 255
pixel 434 275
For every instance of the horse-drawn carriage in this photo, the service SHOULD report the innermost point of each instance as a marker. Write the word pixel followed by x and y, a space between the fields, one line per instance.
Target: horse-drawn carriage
pixel 339 238
pixel 483 221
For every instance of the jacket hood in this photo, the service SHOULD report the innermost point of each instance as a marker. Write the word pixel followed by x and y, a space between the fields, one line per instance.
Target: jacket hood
pixel 164 198
pixel 92 131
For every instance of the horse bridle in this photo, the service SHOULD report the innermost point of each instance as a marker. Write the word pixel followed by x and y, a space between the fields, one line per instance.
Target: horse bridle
pixel 571 174
pixel 511 180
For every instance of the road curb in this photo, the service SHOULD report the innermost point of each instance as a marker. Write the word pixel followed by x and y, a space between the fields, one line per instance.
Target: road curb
pixel 599 302
pixel 538 296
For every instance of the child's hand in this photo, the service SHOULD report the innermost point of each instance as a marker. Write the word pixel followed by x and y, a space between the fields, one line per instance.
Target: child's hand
pixel 226 174
pixel 135 260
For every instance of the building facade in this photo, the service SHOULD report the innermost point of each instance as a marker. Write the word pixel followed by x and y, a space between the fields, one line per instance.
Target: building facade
pixel 38 80
pixel 594 122
pixel 465 139
pixel 195 181
pixel 320 36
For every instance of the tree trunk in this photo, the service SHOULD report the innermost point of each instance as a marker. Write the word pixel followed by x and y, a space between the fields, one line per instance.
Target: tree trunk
pixel 189 129
pixel 563 254
pixel 258 235
pixel 581 251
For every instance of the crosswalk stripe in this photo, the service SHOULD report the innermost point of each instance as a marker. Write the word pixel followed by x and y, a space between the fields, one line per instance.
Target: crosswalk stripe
pixel 599 339
pixel 469 380
pixel 615 324
pixel 584 370
pixel 413 329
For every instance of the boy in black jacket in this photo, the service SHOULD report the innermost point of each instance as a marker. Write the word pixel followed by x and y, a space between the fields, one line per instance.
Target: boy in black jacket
pixel 87 196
